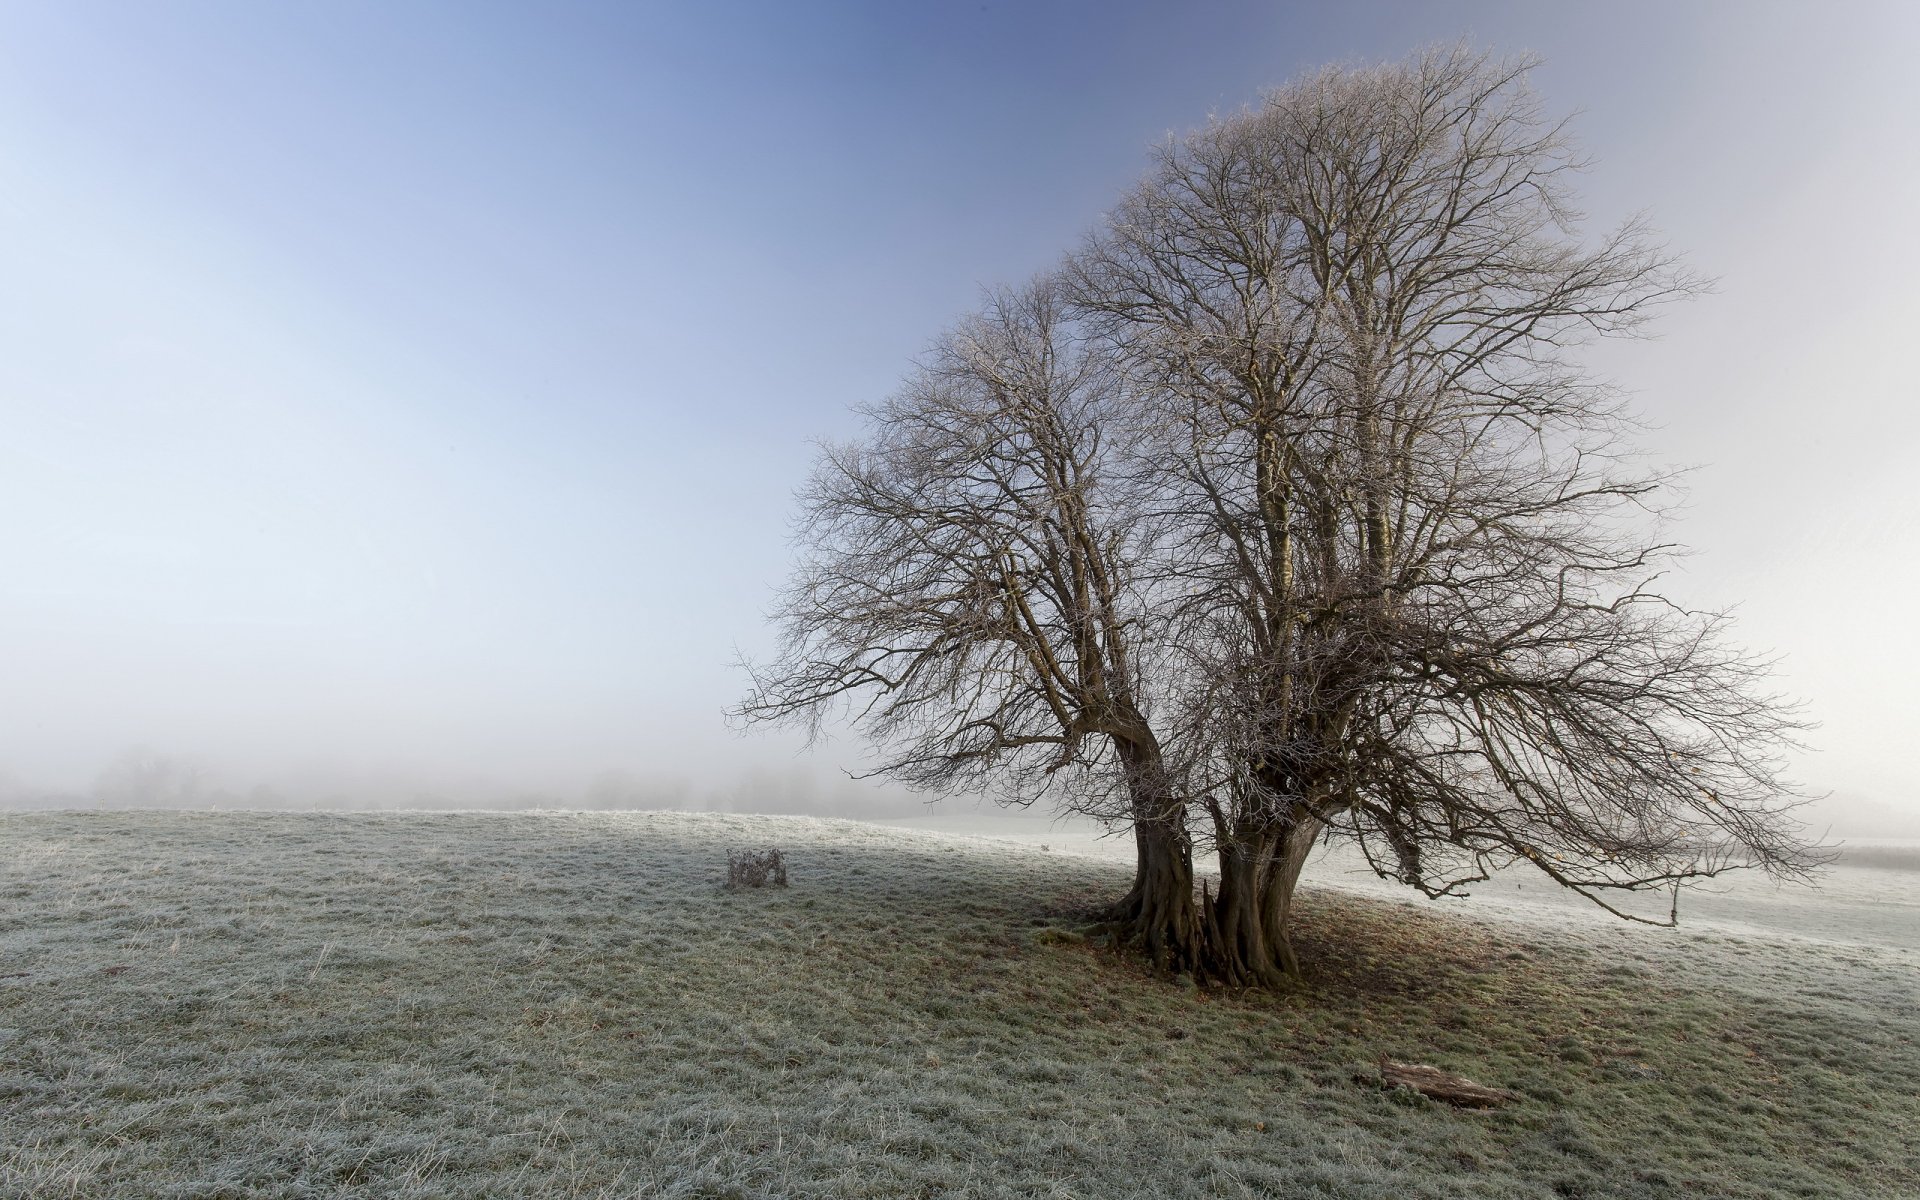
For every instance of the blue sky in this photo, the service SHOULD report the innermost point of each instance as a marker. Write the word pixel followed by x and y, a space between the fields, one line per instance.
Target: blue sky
pixel 419 388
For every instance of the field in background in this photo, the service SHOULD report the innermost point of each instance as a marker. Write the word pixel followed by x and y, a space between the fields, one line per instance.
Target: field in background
pixel 1870 894
pixel 212 1005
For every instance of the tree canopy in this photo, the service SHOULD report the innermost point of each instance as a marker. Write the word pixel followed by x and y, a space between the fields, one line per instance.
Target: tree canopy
pixel 1285 509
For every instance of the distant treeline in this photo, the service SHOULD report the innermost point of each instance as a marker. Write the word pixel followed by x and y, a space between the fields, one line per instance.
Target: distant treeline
pixel 145 779
pixel 1881 857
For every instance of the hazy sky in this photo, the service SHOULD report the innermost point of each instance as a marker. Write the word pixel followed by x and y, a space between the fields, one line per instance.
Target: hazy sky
pixel 421 388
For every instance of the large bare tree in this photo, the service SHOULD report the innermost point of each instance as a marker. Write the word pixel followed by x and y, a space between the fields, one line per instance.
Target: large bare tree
pixel 1290 512
pixel 1421 570
pixel 972 593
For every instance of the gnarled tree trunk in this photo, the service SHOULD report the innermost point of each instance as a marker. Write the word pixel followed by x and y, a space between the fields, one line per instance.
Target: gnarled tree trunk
pixel 1166 923
pixel 1247 943
pixel 1158 916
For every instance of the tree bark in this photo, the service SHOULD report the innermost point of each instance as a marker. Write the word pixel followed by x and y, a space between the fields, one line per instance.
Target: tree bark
pixel 1166 924
pixel 1295 845
pixel 1158 916
pixel 1248 943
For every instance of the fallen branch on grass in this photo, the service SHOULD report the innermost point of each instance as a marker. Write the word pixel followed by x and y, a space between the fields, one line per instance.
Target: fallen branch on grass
pixel 1436 1084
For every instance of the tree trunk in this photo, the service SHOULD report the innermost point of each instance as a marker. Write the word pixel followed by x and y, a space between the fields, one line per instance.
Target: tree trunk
pixel 1166 923
pixel 1158 916
pixel 1277 910
pixel 1246 924
pixel 1238 951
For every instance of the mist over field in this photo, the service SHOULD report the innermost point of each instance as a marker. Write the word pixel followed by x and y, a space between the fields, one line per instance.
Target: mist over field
pixel 142 778
pixel 985 600
pixel 402 419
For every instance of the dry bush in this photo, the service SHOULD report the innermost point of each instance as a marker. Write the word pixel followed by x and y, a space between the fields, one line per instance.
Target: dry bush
pixel 756 868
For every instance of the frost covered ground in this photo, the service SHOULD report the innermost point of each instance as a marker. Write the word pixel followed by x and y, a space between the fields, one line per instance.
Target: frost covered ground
pixel 569 1005
pixel 1870 895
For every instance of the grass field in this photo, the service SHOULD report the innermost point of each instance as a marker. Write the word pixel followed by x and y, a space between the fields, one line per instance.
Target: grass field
pixel 304 1005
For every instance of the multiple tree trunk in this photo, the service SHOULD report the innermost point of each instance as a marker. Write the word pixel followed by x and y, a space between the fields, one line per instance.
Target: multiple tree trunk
pixel 1236 936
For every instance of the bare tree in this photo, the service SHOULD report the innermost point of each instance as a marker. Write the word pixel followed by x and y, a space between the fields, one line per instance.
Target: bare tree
pixel 1420 579
pixel 1290 512
pixel 971 595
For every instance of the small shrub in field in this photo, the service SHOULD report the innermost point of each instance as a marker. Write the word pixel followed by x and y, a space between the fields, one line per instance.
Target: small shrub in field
pixel 756 868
